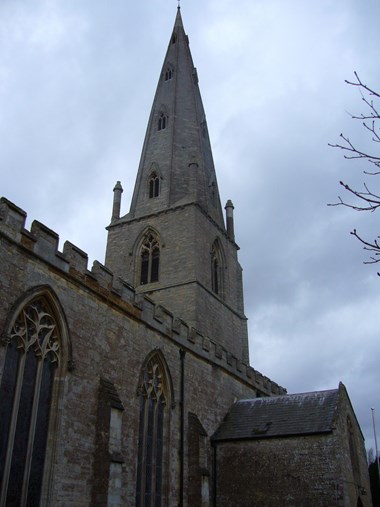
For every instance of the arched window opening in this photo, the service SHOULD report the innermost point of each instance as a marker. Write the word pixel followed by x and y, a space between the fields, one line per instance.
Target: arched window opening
pixel 150 260
pixel 154 185
pixel 216 269
pixel 168 74
pixel 174 38
pixel 31 361
pixel 162 121
pixel 215 274
pixel 154 403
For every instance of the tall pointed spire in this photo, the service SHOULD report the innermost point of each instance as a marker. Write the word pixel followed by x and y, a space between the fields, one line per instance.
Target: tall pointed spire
pixel 173 244
pixel 177 146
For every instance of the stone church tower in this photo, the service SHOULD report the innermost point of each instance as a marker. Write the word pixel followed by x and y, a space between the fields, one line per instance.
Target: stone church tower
pixel 173 244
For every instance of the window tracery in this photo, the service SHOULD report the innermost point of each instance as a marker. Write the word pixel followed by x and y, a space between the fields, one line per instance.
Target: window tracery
pixel 154 402
pixel 31 361
pixel 149 259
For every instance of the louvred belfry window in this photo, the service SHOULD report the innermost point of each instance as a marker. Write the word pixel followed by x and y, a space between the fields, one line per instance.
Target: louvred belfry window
pixel 31 361
pixel 215 273
pixel 150 260
pixel 154 403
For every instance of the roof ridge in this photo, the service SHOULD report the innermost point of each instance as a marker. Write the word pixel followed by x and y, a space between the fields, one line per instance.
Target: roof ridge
pixel 289 395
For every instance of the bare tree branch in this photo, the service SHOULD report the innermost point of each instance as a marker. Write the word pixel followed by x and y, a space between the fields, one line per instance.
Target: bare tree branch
pixel 367 200
pixel 356 152
pixel 363 86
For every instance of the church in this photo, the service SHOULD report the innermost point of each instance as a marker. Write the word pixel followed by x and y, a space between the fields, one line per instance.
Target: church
pixel 129 383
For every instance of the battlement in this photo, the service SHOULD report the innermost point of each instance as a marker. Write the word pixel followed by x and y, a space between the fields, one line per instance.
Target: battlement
pixel 43 243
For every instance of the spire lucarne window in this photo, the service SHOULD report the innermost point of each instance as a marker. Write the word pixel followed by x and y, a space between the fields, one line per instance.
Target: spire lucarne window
pixel 155 397
pixel 149 259
pixel 162 121
pixel 154 185
pixel 168 74
pixel 32 357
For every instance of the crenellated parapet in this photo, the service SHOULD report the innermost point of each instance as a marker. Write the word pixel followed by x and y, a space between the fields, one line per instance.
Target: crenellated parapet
pixel 72 262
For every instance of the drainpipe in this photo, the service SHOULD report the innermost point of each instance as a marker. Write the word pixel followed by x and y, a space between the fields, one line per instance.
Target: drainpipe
pixel 182 354
pixel 214 475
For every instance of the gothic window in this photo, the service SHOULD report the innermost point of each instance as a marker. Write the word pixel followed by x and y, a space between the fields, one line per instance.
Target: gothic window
pixel 31 362
pixel 215 272
pixel 168 74
pixel 149 259
pixel 216 269
pixel 154 185
pixel 162 121
pixel 153 432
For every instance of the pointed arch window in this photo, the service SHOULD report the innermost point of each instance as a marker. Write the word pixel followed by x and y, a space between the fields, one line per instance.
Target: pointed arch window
pixel 168 74
pixel 215 272
pixel 155 397
pixel 162 121
pixel 154 185
pixel 26 391
pixel 149 259
pixel 217 269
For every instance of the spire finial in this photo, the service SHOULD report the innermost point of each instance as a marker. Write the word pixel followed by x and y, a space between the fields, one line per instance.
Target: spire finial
pixel 179 4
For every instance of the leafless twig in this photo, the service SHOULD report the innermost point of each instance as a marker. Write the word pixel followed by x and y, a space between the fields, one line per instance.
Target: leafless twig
pixel 367 200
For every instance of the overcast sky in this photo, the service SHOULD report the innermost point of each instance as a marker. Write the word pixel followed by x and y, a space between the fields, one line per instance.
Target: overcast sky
pixel 77 80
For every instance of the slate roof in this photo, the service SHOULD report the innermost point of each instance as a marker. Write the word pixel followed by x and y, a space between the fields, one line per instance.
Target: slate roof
pixel 291 414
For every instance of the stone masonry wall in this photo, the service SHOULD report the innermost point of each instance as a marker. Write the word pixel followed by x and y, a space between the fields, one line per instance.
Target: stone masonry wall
pixel 112 330
pixel 184 285
pixel 298 471
pixel 354 481
pixel 317 470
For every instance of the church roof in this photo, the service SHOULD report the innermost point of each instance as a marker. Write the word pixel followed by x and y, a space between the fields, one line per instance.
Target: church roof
pixel 291 414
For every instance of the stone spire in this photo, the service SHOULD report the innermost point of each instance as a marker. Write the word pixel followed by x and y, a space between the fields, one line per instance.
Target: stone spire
pixel 177 148
pixel 173 244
